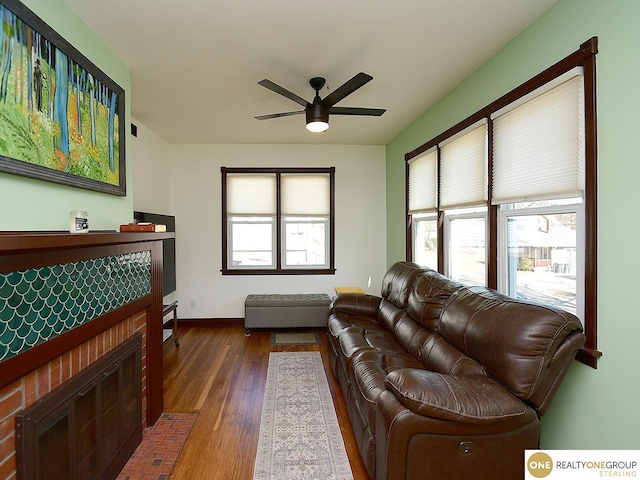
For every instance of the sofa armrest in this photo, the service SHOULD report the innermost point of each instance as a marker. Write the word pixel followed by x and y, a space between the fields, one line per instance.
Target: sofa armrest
pixel 356 304
pixel 472 399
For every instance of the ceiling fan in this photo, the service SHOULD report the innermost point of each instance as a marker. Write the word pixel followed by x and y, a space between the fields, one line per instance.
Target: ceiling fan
pixel 318 111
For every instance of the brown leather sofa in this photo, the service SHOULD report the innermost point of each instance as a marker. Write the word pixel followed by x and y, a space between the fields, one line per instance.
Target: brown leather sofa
pixel 444 381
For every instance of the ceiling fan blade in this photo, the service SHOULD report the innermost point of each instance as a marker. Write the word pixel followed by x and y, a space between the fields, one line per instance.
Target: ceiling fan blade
pixel 274 87
pixel 278 115
pixel 347 88
pixel 373 112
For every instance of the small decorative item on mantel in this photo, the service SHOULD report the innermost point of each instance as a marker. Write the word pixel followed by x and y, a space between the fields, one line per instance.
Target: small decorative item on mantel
pixel 143 227
pixel 78 221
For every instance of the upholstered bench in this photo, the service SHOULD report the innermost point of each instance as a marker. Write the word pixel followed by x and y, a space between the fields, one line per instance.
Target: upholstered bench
pixel 286 310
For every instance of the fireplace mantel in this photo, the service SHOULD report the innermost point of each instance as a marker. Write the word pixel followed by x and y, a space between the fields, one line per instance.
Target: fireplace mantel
pixel 31 251
pixel 33 241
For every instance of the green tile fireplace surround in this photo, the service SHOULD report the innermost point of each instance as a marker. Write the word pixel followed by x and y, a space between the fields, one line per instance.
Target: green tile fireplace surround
pixel 41 303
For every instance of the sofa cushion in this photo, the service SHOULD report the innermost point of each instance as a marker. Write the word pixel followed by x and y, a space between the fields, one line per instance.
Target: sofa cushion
pixel 438 355
pixel 469 399
pixel 409 333
pixel 428 297
pixel 356 304
pixel 339 321
pixel 389 315
pixel 352 340
pixel 398 282
pixel 370 368
pixel 514 340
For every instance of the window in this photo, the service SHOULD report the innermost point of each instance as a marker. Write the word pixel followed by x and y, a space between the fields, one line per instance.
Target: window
pixel 422 203
pixel 538 186
pixel 542 255
pixel 463 184
pixel 515 194
pixel 251 210
pixel 277 220
pixel 425 240
pixel 465 234
pixel 449 181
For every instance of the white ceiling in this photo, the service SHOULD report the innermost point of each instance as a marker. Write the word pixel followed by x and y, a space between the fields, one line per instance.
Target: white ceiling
pixel 195 64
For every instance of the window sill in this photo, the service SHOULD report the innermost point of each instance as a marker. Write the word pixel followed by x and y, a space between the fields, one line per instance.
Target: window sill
pixel 288 271
pixel 588 356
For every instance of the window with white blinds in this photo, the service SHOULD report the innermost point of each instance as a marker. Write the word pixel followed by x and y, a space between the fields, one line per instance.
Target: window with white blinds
pixel 538 144
pixel 277 220
pixel 423 182
pixel 463 168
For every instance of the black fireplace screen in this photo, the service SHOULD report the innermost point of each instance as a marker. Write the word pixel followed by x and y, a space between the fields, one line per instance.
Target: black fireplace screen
pixel 88 427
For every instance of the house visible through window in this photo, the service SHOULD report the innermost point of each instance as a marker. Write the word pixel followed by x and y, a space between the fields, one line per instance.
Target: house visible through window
pixel 278 220
pixel 507 198
pixel 542 252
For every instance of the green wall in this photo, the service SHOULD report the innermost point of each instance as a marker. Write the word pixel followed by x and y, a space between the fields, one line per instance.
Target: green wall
pixel 28 204
pixel 594 409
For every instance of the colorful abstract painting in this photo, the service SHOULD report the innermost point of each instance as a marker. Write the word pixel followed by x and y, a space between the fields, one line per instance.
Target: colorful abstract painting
pixel 61 118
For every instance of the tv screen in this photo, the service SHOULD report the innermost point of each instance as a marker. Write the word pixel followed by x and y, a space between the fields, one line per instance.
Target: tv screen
pixel 168 248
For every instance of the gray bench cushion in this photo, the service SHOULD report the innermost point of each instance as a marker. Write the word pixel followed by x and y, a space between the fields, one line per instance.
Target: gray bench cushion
pixel 286 310
pixel 287 300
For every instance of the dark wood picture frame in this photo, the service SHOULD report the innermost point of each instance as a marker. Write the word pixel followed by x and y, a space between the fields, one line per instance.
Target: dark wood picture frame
pixel 62 119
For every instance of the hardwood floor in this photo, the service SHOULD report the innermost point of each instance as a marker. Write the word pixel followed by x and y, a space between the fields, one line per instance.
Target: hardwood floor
pixel 220 374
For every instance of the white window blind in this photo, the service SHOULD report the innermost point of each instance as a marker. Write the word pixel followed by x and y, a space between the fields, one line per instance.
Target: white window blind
pixel 538 146
pixel 423 182
pixel 251 194
pixel 305 194
pixel 463 168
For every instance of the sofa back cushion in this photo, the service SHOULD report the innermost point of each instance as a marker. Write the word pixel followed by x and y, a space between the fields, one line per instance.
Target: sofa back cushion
pixel 515 341
pixel 436 353
pixel 398 282
pixel 390 316
pixel 424 292
pixel 427 298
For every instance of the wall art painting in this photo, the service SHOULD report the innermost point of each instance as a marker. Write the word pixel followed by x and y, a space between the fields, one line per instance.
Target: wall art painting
pixel 61 118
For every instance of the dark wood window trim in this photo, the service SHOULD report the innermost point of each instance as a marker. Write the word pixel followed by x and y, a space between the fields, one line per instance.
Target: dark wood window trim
pixel 584 57
pixel 279 270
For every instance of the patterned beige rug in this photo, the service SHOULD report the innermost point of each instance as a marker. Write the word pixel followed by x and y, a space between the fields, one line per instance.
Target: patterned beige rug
pixel 299 433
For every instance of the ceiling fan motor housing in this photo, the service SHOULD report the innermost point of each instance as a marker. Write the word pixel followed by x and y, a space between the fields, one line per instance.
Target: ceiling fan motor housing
pixel 317 113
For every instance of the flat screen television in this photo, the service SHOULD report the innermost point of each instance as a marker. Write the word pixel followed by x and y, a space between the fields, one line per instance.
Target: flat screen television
pixel 168 248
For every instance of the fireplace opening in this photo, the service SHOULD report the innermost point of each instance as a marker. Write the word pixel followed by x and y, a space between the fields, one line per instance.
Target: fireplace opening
pixel 88 427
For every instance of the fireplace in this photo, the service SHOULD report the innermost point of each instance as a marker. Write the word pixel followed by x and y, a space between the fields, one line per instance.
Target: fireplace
pixel 89 426
pixel 66 302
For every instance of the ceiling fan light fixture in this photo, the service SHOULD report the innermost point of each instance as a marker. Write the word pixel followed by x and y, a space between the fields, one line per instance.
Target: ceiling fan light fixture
pixel 317 118
pixel 317 126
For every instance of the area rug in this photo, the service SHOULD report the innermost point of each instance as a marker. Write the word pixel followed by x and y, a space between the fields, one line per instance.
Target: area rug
pixel 299 433
pixel 295 338
pixel 161 445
